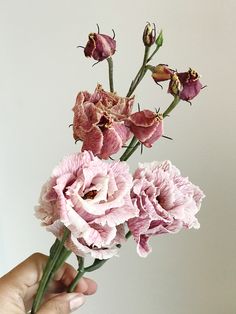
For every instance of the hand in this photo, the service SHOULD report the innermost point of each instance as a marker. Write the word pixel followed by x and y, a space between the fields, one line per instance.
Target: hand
pixel 19 286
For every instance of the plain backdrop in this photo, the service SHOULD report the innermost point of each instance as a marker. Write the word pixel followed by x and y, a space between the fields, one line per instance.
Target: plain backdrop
pixel 41 71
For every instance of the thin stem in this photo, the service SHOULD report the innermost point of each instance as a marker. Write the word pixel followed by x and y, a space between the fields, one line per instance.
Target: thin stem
pixel 81 272
pixel 139 76
pixel 48 271
pixel 75 281
pixel 152 55
pixel 96 265
pixel 131 151
pixel 110 67
pixel 62 258
pixel 128 235
pixel 131 145
pixel 171 106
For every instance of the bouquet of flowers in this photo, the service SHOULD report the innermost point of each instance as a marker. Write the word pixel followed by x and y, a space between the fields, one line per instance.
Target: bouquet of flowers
pixel 93 205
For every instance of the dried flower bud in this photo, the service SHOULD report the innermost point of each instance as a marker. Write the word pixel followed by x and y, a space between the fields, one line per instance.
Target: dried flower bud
pixel 175 85
pixel 100 46
pixel 149 35
pixel 186 85
pixel 161 73
pixel 147 126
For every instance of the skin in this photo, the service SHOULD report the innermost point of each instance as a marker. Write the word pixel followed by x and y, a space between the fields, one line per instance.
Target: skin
pixel 19 286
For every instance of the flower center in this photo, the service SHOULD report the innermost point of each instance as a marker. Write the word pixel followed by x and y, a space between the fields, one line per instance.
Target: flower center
pixel 104 123
pixel 90 195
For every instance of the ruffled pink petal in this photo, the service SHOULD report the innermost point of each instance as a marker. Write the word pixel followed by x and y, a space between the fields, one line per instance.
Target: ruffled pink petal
pixel 93 141
pixel 72 163
pixel 117 216
pixel 143 249
pixel 111 143
pixel 123 132
pixel 82 250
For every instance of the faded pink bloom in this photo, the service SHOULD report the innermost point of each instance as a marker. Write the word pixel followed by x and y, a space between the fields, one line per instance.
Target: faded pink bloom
pixel 146 125
pixel 186 85
pixel 167 202
pixel 92 199
pixel 99 121
pixel 100 46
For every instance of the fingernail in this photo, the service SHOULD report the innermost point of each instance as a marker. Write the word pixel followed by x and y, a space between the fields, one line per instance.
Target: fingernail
pixel 76 301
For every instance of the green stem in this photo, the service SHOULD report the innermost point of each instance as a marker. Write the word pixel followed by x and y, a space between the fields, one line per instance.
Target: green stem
pixel 81 272
pixel 96 265
pixel 152 55
pixel 139 76
pixel 128 235
pixel 52 260
pixel 171 106
pixel 126 152
pixel 131 151
pixel 76 280
pixel 110 66
pixel 62 258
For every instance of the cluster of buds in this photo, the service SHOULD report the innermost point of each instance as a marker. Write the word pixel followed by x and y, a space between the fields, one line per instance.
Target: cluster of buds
pixel 186 85
pixel 104 121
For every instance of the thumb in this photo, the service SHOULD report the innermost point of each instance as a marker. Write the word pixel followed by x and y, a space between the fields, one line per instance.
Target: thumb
pixel 62 304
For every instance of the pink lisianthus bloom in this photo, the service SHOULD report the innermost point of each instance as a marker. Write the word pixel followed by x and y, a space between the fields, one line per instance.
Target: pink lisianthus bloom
pixel 167 202
pixel 146 125
pixel 99 121
pixel 100 46
pixel 92 199
pixel 186 85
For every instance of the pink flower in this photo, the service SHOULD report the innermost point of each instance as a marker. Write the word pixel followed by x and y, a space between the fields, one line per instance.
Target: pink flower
pixel 167 202
pixel 92 199
pixel 186 85
pixel 100 46
pixel 99 121
pixel 147 126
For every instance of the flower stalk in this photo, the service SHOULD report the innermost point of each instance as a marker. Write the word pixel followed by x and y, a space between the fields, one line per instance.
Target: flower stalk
pixel 126 155
pixel 48 272
pixel 110 67
pixel 141 73
pixel 82 270
pixel 159 43
pixel 171 106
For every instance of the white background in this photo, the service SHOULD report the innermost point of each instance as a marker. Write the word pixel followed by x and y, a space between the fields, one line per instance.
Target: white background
pixel 41 72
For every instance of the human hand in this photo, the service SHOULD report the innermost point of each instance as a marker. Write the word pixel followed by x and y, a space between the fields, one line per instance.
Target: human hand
pixel 19 286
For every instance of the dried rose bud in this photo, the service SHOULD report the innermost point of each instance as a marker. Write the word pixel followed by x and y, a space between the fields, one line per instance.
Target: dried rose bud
pixel 175 85
pixel 161 73
pixel 186 85
pixel 149 35
pixel 146 125
pixel 100 46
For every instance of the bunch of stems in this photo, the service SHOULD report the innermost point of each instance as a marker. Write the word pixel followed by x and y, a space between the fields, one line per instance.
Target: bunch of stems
pixel 58 252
